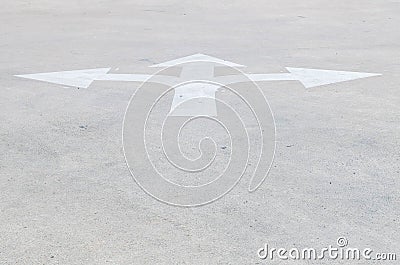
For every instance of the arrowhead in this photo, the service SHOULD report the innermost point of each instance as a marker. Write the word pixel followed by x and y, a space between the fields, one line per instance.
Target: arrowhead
pixel 77 78
pixel 316 77
pixel 197 58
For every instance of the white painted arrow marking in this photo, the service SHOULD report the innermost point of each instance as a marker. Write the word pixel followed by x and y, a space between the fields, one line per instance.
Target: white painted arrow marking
pixel 317 77
pixel 197 67
pixel 196 92
pixel 77 78
pixel 308 77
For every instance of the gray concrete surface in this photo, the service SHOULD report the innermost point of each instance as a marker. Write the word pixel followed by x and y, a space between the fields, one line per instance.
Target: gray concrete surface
pixel 66 194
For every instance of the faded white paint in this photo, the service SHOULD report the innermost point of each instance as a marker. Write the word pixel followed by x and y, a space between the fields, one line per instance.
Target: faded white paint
pixel 318 77
pixel 197 67
pixel 195 95
pixel 76 78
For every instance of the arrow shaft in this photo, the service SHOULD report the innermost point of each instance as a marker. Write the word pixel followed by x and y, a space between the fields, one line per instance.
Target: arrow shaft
pixel 231 79
pixel 162 79
pixel 196 93
pixel 271 77
pixel 123 77
pixel 193 74
pixel 196 71
pixel 194 99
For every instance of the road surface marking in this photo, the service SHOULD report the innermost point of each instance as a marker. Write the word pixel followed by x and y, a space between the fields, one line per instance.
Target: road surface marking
pixel 197 67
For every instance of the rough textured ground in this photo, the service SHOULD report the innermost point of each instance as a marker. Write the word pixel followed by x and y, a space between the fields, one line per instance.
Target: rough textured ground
pixel 66 194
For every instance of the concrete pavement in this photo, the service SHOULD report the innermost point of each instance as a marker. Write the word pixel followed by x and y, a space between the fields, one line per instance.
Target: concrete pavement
pixel 67 196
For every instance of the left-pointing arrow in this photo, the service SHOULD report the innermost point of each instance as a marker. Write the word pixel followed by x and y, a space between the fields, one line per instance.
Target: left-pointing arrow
pixel 76 78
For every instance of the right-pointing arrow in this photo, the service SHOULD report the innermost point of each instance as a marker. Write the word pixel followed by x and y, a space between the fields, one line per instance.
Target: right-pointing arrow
pixel 316 77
